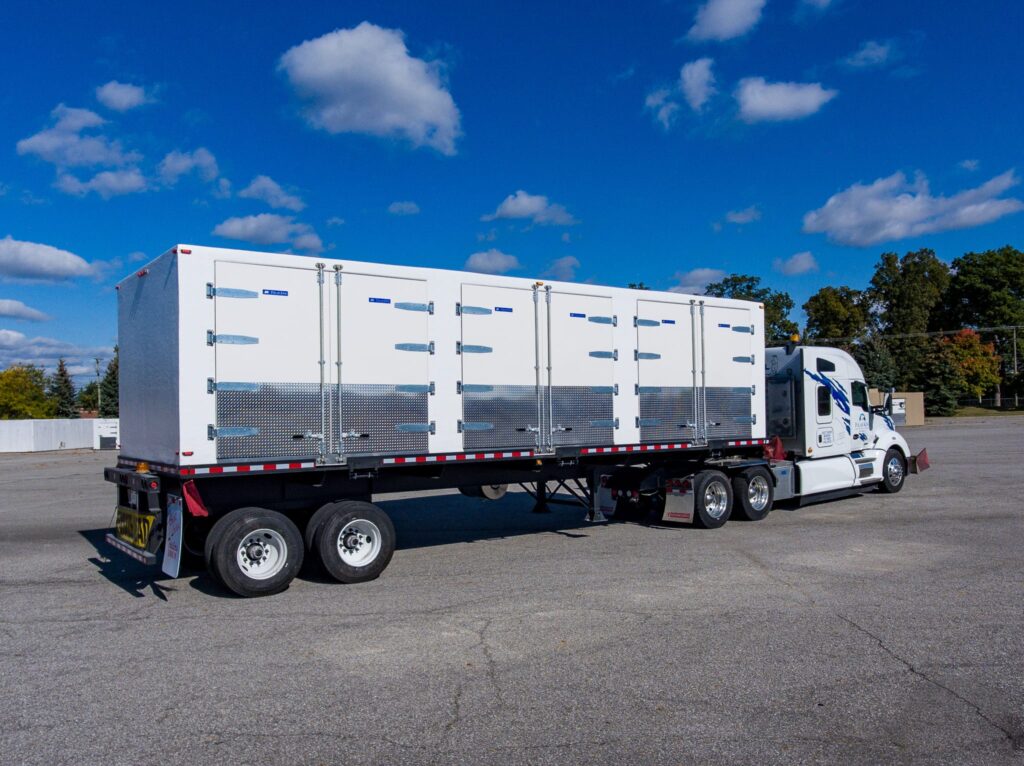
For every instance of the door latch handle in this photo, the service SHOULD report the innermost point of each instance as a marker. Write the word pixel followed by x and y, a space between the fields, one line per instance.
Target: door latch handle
pixel 354 435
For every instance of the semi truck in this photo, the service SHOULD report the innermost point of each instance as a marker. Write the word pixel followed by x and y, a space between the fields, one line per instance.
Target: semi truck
pixel 266 399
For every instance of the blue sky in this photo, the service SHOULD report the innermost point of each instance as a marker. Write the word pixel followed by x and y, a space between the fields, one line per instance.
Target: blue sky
pixel 669 142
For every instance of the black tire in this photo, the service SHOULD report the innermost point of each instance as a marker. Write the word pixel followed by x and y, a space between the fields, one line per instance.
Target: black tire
pixel 894 471
pixel 754 508
pixel 318 518
pixel 352 529
pixel 269 534
pixel 711 485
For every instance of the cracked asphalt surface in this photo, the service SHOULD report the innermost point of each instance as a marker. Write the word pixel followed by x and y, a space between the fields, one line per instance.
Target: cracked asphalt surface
pixel 876 629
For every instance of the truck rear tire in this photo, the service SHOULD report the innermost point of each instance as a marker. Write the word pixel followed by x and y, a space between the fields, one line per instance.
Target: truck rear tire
pixel 355 542
pixel 894 471
pixel 486 491
pixel 753 493
pixel 712 499
pixel 254 552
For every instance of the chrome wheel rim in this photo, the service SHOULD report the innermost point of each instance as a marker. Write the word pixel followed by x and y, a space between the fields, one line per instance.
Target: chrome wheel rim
pixel 894 471
pixel 715 500
pixel 262 554
pixel 757 493
pixel 359 543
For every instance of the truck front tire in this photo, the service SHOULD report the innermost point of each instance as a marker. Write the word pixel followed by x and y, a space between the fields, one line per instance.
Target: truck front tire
pixel 355 542
pixel 712 499
pixel 894 471
pixel 254 552
pixel 753 492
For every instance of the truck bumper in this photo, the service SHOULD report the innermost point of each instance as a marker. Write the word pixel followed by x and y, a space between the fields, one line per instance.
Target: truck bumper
pixel 146 557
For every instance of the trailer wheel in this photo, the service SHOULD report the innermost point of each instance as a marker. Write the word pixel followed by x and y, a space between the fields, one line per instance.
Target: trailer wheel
pixel 254 552
pixel 486 491
pixel 894 471
pixel 753 493
pixel 712 499
pixel 318 518
pixel 355 542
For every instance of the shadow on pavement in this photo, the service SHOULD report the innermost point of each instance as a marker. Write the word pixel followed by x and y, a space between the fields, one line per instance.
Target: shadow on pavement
pixel 420 522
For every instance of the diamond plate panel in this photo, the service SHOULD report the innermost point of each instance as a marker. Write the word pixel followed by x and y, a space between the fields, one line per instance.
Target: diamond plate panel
pixel 281 412
pixel 724 407
pixel 575 407
pixel 507 408
pixel 672 408
pixel 377 410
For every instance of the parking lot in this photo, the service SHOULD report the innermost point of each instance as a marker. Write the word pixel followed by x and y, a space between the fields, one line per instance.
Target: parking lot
pixel 876 629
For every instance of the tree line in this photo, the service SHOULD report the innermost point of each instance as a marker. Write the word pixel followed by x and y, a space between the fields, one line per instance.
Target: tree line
pixel 27 392
pixel 915 325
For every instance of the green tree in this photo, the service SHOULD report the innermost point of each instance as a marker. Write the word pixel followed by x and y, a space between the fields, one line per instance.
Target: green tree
pixel 88 396
pixel 942 382
pixel 977 364
pixel 836 312
pixel 23 393
pixel 987 289
pixel 777 305
pixel 109 389
pixel 876 362
pixel 61 390
pixel 906 296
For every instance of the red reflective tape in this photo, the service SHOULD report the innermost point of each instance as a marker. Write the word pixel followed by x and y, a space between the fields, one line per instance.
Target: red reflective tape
pixel 244 468
pixel 216 469
pixel 269 466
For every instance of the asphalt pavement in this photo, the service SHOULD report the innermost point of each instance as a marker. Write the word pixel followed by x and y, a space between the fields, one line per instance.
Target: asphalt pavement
pixel 874 629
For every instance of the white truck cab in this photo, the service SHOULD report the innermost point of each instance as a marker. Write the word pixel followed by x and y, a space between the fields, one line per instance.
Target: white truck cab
pixel 817 404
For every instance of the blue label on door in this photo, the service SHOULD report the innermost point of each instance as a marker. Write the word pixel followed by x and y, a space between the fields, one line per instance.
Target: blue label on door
pixel 503 308
pixel 380 300
pixel 577 316
pixel 275 292
pixel 723 325
pixel 668 321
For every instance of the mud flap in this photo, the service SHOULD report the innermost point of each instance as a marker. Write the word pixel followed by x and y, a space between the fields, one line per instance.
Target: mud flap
pixel 920 462
pixel 679 501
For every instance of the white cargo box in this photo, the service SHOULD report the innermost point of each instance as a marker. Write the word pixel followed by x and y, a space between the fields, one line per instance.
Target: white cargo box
pixel 231 357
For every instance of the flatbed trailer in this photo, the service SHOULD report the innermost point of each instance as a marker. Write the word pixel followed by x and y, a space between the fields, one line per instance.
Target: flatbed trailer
pixel 267 398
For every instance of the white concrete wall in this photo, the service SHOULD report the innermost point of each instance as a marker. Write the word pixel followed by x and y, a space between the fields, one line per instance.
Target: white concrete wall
pixel 54 434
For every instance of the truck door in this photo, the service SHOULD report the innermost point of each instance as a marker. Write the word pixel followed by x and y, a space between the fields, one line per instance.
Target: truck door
pixel 501 404
pixel 266 342
pixel 730 364
pixel 668 368
pixel 383 365
pixel 827 412
pixel 581 361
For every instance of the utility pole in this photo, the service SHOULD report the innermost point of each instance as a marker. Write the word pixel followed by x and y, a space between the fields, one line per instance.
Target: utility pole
pixel 99 386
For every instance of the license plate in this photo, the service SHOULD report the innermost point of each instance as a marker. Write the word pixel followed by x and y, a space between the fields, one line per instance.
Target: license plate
pixel 133 528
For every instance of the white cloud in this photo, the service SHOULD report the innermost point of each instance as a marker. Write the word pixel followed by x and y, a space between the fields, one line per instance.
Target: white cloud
pixel 17 348
pixel 663 107
pixel 536 207
pixel 492 261
pixel 871 54
pixel 403 208
pixel 31 260
pixel 223 190
pixel 969 165
pixel 892 208
pixel 697 82
pixel 177 164
pixel 774 101
pixel 798 263
pixel 335 221
pixel 725 19
pixel 819 4
pixel 107 183
pixel 694 281
pixel 489 236
pixel 268 190
pixel 17 310
pixel 746 215
pixel 121 96
pixel 270 229
pixel 64 145
pixel 563 268
pixel 363 80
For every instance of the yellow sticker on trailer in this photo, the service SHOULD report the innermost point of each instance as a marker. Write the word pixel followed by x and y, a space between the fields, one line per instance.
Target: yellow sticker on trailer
pixel 133 528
